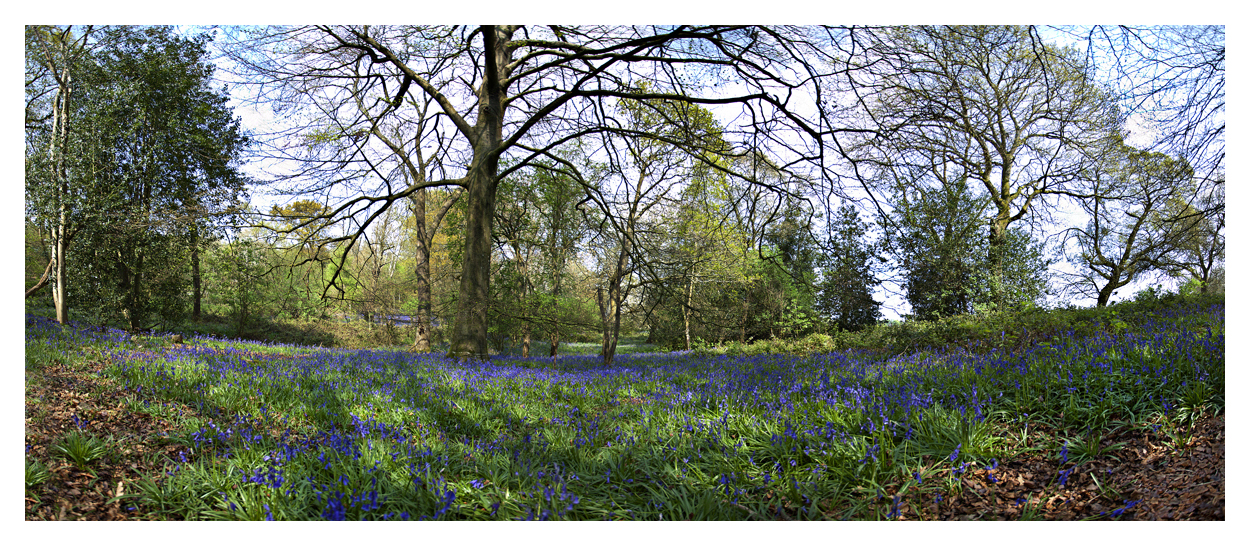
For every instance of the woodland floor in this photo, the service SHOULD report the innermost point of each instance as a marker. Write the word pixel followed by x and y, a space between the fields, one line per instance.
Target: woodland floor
pixel 1167 484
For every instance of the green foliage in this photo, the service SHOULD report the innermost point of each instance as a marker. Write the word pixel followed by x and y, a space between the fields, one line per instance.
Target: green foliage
pixel 806 345
pixel 36 473
pixel 663 436
pixel 948 262
pixel 936 243
pixel 944 433
pixel 151 168
pixel 978 332
pixel 81 448
pixel 847 276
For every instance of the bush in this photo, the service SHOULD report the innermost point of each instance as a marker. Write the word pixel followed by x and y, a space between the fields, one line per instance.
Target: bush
pixel 976 332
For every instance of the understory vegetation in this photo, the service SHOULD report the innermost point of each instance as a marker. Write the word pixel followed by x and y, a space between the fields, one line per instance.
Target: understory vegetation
pixel 920 420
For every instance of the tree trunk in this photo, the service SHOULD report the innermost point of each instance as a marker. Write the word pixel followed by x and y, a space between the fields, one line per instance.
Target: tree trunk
pixel 610 310
pixel 56 152
pixel 557 275
pixel 197 292
pixel 470 334
pixel 469 338
pixel 686 310
pixel 43 280
pixel 997 246
pixel 606 312
pixel 58 284
pixel 1104 295
pixel 527 313
pixel 130 285
pixel 555 324
pixel 421 339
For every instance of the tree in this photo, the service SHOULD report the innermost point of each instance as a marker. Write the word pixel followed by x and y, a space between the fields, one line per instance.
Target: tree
pixel 1169 80
pixel 538 228
pixel 519 93
pixel 170 160
pixel 709 256
pixel 54 59
pixel 847 277
pixel 994 105
pixel 935 240
pixel 946 266
pixel 564 227
pixel 1130 231
pixel 427 211
pixel 516 232
pixel 238 275
pixel 302 234
pixel 1192 220
pixel 156 159
pixel 645 167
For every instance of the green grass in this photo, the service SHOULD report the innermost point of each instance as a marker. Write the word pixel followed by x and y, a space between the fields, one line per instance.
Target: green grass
pixel 304 433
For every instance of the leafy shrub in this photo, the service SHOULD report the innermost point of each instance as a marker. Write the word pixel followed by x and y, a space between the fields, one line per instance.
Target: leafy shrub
pixel 81 448
pixel 36 473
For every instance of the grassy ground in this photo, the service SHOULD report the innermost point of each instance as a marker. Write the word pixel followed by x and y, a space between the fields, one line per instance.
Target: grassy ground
pixel 1080 416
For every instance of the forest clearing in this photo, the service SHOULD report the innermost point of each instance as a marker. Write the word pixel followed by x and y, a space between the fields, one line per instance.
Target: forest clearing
pixel 625 272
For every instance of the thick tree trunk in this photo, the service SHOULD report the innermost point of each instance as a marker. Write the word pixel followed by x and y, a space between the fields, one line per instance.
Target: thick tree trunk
pixel 1104 295
pixel 470 334
pixel 469 338
pixel 421 338
pixel 610 308
pixel 1114 282
pixel 997 246
pixel 606 314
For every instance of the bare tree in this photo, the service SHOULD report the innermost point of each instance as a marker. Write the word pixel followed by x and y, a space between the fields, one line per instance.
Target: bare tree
pixel 1169 81
pixel 521 93
pixel 1197 235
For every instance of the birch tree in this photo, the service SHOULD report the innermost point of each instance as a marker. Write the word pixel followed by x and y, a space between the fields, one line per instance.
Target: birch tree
pixel 54 60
